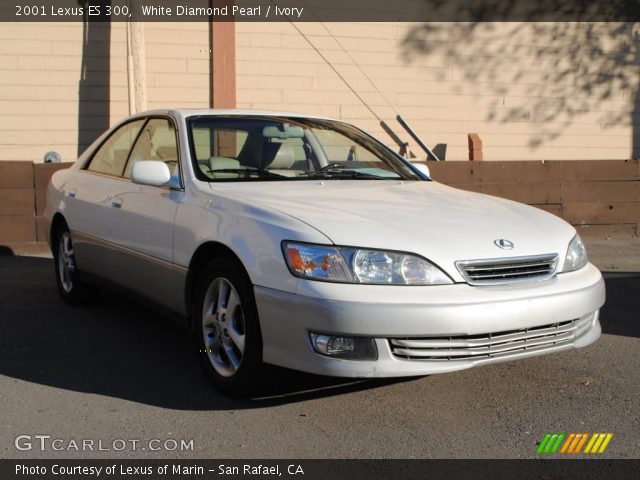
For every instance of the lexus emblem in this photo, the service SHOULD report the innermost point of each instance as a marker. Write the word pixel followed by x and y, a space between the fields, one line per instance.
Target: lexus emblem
pixel 504 244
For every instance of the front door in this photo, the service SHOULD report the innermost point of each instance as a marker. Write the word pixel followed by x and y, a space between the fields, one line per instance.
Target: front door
pixel 124 231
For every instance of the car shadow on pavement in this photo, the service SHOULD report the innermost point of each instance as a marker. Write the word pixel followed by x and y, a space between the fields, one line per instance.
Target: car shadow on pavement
pixel 119 348
pixel 621 312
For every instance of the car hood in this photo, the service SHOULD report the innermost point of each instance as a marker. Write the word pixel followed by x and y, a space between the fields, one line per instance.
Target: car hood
pixel 440 223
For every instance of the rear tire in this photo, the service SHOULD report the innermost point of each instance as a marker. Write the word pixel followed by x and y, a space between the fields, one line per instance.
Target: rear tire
pixel 72 290
pixel 228 330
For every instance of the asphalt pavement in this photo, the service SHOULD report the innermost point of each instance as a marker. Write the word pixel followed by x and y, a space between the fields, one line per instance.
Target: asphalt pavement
pixel 117 370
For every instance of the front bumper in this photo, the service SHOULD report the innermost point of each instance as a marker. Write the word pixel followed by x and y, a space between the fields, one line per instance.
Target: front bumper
pixel 393 312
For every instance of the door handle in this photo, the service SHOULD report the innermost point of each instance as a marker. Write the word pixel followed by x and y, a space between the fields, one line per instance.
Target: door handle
pixel 116 203
pixel 72 193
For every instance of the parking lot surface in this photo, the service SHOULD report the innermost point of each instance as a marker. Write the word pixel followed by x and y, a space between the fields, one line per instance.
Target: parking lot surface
pixel 118 370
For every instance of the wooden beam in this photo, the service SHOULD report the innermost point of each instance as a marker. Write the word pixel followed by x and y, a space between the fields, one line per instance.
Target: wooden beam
pixel 223 61
pixel 138 65
pixel 475 147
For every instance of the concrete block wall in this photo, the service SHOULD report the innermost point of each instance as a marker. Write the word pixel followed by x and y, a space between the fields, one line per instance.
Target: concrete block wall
pixel 531 91
pixel 58 92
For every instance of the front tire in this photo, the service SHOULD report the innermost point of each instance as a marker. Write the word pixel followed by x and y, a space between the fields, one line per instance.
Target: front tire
pixel 228 330
pixel 72 290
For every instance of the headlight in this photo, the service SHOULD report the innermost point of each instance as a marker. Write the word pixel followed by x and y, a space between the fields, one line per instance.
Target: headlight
pixel 355 265
pixel 576 255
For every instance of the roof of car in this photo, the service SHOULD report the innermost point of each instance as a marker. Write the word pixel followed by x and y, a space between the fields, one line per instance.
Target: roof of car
pixel 228 112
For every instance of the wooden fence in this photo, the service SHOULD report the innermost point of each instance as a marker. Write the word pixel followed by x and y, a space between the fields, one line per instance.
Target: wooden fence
pixel 23 190
pixel 601 198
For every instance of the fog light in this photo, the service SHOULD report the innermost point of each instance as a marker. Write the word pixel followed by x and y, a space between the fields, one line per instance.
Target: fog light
pixel 350 348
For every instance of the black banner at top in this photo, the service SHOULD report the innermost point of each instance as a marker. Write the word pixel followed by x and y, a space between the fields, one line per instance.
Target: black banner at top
pixel 320 10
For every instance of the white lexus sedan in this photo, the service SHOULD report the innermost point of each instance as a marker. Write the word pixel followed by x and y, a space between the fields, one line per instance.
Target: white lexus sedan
pixel 303 242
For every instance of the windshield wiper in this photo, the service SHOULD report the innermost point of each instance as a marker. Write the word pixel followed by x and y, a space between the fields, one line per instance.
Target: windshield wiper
pixel 344 173
pixel 248 172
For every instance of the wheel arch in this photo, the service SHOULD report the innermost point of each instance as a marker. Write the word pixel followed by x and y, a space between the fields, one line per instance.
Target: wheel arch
pixel 57 220
pixel 199 260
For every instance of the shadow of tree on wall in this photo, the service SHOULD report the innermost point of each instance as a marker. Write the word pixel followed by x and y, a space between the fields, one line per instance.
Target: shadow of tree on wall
pixel 94 84
pixel 571 71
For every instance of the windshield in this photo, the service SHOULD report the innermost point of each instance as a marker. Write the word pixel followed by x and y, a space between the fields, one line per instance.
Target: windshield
pixel 278 148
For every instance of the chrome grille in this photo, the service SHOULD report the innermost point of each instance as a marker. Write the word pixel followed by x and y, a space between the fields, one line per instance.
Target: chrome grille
pixel 508 270
pixel 490 345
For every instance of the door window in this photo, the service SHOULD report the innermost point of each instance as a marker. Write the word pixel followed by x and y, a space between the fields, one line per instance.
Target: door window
pixel 111 157
pixel 157 141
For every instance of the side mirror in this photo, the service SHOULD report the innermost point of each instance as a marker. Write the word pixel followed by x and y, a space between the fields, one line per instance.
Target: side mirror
pixel 150 172
pixel 422 168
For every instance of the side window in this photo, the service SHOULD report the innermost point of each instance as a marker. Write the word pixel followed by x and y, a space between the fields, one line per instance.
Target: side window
pixel 111 157
pixel 157 142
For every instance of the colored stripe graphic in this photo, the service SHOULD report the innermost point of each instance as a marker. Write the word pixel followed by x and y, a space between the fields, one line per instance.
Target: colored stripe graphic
pixel 598 442
pixel 556 445
pixel 607 439
pixel 594 437
pixel 572 443
pixel 552 440
pixel 576 443
pixel 584 439
pixel 567 443
pixel 550 443
pixel 543 443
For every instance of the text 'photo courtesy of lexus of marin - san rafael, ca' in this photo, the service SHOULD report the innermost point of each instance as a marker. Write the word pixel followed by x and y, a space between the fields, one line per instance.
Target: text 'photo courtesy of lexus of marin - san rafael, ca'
pixel 302 242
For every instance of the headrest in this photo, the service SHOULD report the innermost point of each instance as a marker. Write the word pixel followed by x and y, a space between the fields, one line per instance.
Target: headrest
pixel 278 156
pixel 166 153
pixel 220 163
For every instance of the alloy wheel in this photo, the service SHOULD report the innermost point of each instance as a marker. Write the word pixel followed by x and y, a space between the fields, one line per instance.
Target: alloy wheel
pixel 66 261
pixel 223 327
